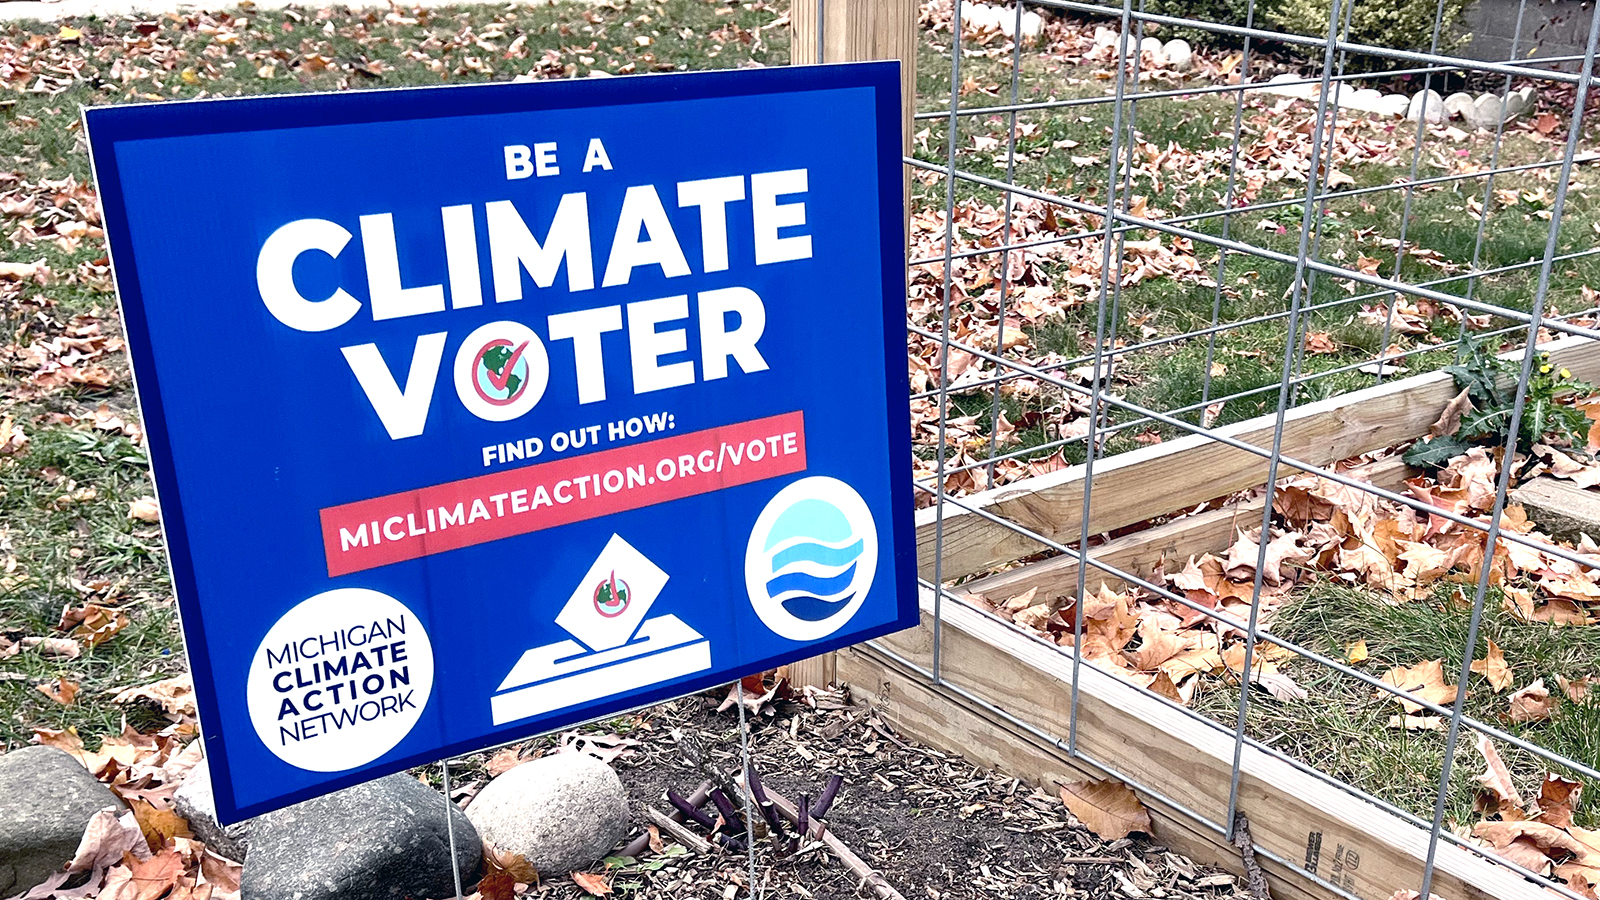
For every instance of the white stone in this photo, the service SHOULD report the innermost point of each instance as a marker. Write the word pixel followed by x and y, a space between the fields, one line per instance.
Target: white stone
pixel 1032 24
pixel 1393 105
pixel 1520 101
pixel 1104 37
pixel 1179 54
pixel 1152 47
pixel 1486 113
pixel 980 17
pixel 1456 104
pixel 1278 85
pixel 560 813
pixel 1364 100
pixel 1427 103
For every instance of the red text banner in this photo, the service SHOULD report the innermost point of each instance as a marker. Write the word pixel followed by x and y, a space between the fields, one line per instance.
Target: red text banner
pixel 424 521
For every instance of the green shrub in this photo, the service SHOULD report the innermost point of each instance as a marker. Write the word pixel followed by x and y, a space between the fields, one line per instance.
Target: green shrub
pixel 1221 12
pixel 1396 24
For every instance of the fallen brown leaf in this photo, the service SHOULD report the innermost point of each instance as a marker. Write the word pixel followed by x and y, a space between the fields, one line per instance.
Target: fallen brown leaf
pixel 1532 704
pixel 172 696
pixel 1576 689
pixel 1107 808
pixel 1557 797
pixel 1493 667
pixel 61 690
pixel 1497 780
pixel 106 840
pixel 1424 681
pixel 145 509
pixel 593 884
pixel 1450 420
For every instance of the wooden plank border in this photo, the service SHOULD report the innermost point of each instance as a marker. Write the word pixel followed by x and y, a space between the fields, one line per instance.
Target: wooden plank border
pixel 1153 481
pixel 1168 544
pixel 1179 760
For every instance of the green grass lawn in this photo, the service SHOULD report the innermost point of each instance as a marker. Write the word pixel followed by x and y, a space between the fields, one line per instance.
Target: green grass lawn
pixel 66 537
pixel 1343 727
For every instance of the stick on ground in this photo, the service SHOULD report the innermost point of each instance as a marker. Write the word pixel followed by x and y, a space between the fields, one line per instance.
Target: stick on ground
pixel 682 835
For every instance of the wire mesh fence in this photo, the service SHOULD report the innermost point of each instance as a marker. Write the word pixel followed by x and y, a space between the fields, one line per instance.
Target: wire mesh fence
pixel 1169 273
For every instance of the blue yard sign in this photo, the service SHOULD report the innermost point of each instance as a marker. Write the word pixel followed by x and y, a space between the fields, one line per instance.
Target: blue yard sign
pixel 476 412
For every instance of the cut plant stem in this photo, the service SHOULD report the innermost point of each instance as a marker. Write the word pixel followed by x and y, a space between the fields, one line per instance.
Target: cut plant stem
pixel 691 809
pixel 868 875
pixel 826 800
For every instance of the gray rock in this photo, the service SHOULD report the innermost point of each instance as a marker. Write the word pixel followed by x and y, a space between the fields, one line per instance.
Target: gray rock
pixel 559 812
pixel 383 840
pixel 46 800
pixel 1179 54
pixel 193 802
pixel 1486 114
pixel 1457 104
pixel 1427 103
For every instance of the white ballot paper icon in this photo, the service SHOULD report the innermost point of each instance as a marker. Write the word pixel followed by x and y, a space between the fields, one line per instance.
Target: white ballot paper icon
pixel 616 648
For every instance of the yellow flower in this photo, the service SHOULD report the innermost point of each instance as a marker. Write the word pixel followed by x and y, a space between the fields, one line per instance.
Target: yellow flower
pixel 1565 374
pixel 1544 369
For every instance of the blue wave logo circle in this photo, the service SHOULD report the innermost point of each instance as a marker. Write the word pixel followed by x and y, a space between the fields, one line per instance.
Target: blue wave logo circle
pixel 811 558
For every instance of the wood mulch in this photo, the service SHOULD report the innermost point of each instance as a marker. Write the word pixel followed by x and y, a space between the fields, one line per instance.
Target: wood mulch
pixel 931 825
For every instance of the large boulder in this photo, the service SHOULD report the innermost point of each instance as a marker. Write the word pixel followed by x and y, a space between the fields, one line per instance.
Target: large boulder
pixel 194 802
pixel 560 812
pixel 46 800
pixel 383 840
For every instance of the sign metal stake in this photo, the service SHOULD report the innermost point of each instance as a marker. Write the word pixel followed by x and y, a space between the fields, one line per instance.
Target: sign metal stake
pixel 749 820
pixel 450 826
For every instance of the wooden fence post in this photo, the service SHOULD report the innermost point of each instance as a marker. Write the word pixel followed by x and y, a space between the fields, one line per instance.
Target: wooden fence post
pixel 858 30
pixel 853 31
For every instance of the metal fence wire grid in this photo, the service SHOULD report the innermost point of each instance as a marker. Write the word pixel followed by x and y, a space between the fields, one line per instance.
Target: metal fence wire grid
pixel 1175 279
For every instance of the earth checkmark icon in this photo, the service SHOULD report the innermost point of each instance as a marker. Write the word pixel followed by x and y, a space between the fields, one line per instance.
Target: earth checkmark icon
pixel 499 381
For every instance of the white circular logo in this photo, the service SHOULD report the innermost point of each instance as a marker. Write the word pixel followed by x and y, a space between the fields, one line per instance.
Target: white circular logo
pixel 340 680
pixel 501 371
pixel 811 558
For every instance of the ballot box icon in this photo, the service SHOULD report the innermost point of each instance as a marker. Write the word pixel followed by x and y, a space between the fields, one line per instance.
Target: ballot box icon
pixel 615 645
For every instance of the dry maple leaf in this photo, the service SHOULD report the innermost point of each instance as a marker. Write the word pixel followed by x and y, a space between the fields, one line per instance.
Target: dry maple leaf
pixel 106 840
pixel 1493 667
pixel 1576 689
pixel 1356 652
pixel 503 761
pixel 1425 681
pixel 1557 797
pixel 1417 723
pixel 1450 420
pixel 1107 808
pixel 1497 780
pixel 172 696
pixel 1321 342
pixel 1532 704
pixel 158 824
pixel 61 691
pixel 145 509
pixel 149 878
pixel 593 884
